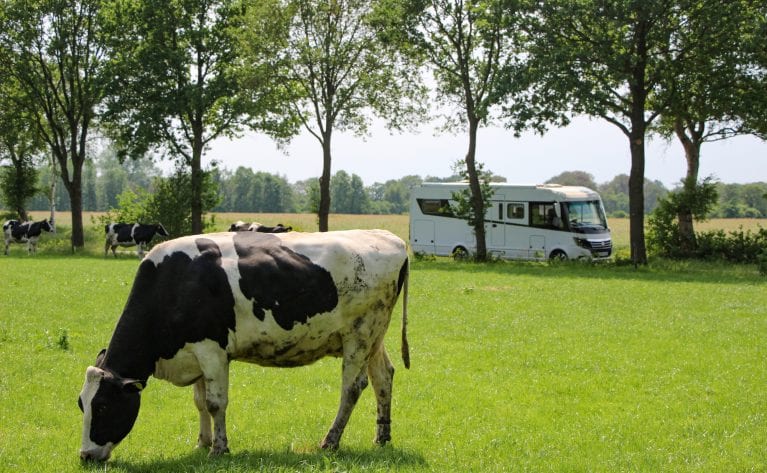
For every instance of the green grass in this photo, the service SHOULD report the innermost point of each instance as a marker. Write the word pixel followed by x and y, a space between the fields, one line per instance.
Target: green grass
pixel 516 367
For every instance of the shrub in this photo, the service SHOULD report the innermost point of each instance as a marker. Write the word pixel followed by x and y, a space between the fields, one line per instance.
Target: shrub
pixel 664 236
pixel 737 246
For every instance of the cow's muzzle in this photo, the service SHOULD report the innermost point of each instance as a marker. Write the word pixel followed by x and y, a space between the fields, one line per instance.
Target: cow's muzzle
pixel 95 455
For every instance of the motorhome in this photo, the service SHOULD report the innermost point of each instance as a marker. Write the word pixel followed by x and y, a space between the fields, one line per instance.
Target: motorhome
pixel 522 222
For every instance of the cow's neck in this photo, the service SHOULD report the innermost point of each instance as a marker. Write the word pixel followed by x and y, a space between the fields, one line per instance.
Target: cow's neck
pixel 132 352
pixel 129 354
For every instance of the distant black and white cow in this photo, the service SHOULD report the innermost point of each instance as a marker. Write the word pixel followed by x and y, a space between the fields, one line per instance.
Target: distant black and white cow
pixel 29 232
pixel 278 300
pixel 131 234
pixel 240 226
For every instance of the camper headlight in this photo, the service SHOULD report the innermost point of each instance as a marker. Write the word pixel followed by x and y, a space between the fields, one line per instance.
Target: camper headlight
pixel 582 242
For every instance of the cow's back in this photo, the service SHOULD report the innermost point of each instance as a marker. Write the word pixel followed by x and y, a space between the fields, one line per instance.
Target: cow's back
pixel 296 297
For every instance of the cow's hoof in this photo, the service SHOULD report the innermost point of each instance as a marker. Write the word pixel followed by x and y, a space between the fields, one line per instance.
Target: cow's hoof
pixel 329 445
pixel 216 452
pixel 383 434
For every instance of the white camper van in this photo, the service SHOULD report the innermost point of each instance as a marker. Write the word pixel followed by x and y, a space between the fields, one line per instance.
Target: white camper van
pixel 522 222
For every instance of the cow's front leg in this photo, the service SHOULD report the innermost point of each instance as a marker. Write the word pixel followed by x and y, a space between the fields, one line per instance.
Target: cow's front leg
pixel 355 379
pixel 215 370
pixel 204 440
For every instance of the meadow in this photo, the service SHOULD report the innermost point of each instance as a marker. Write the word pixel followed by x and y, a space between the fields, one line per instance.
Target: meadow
pixel 515 367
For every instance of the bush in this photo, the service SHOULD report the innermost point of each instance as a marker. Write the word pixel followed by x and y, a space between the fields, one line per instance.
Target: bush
pixel 664 236
pixel 736 246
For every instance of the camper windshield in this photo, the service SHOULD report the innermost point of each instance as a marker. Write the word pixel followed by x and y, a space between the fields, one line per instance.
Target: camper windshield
pixel 586 217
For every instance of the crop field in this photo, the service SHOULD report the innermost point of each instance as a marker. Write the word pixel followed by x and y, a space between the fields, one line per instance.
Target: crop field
pixel 515 367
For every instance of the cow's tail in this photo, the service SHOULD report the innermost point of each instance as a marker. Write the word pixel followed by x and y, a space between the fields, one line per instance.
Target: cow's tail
pixel 405 345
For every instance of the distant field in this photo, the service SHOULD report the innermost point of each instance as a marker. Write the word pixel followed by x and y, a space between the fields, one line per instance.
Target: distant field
pixel 397 224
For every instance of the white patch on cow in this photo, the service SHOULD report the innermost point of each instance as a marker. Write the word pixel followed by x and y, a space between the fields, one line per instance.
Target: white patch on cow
pixel 187 364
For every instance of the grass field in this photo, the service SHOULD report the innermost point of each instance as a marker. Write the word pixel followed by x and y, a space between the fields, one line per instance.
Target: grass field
pixel 516 367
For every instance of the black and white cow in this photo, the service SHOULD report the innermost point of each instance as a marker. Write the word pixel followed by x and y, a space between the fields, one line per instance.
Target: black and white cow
pixel 240 226
pixel 29 232
pixel 130 234
pixel 279 300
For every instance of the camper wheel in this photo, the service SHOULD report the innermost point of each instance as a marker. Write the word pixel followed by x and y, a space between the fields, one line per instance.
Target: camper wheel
pixel 558 255
pixel 460 253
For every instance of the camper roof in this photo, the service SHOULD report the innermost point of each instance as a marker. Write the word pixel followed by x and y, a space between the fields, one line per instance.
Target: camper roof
pixel 557 191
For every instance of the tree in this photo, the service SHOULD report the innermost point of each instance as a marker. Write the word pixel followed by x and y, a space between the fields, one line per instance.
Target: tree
pixel 19 148
pixel 338 70
pixel 472 46
pixel 54 49
pixel 176 86
pixel 711 93
pixel 574 178
pixel 605 59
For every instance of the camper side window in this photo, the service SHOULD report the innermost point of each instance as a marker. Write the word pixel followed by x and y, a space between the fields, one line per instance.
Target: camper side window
pixel 515 211
pixel 438 207
pixel 542 214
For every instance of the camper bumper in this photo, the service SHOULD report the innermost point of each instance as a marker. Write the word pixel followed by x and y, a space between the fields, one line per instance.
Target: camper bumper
pixel 599 249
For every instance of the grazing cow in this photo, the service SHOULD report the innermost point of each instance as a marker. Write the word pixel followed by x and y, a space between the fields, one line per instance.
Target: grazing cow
pixel 277 300
pixel 130 234
pixel 29 232
pixel 240 226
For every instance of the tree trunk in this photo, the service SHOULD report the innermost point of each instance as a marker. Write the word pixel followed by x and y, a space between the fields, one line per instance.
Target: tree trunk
pixel 52 193
pixel 74 188
pixel 324 207
pixel 636 194
pixel 196 179
pixel 691 145
pixel 477 201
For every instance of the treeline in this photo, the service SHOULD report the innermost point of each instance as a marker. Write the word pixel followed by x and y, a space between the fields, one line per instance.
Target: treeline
pixel 733 200
pixel 245 190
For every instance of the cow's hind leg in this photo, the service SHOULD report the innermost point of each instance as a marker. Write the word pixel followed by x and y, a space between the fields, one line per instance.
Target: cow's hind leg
pixel 381 372
pixel 204 440
pixel 354 381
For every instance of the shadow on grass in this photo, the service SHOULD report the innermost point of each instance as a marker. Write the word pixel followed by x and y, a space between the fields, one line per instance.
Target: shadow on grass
pixel 374 459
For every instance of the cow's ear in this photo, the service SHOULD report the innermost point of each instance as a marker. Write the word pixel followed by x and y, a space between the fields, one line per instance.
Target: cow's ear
pixel 94 374
pixel 100 357
pixel 132 385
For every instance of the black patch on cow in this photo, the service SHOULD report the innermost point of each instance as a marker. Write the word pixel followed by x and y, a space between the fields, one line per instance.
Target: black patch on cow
pixel 123 232
pixel 282 281
pixel 181 300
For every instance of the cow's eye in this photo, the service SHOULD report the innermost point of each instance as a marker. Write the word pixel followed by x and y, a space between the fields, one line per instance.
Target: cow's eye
pixel 80 404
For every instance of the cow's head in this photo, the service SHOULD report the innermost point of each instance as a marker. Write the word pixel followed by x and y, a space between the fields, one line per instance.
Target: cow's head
pixel 47 225
pixel 110 406
pixel 161 230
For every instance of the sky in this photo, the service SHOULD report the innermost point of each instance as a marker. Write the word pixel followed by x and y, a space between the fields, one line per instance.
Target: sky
pixel 594 146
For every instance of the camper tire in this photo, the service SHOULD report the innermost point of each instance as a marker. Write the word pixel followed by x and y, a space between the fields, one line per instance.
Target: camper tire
pixel 460 253
pixel 558 255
